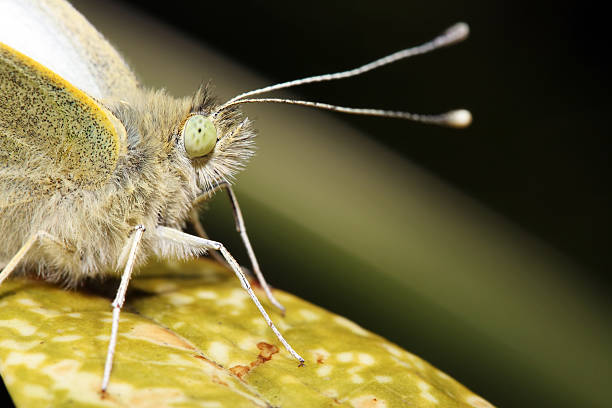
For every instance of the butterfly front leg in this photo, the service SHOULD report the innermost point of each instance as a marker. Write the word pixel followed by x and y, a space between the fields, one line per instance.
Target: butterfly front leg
pixel 40 237
pixel 241 228
pixel 193 244
pixel 130 249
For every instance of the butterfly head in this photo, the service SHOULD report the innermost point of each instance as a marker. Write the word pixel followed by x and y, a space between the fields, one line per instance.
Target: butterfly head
pixel 219 143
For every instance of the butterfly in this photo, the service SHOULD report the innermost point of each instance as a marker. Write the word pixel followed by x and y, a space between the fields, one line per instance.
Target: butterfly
pixel 98 173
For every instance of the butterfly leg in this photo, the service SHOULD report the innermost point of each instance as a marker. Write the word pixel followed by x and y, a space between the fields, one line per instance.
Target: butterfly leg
pixel 119 300
pixel 241 228
pixel 33 239
pixel 191 241
pixel 197 225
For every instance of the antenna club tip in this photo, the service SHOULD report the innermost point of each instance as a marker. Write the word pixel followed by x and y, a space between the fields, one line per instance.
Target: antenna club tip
pixel 459 118
pixel 460 30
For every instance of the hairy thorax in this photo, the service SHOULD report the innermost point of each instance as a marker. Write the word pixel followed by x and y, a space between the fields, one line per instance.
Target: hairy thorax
pixel 153 184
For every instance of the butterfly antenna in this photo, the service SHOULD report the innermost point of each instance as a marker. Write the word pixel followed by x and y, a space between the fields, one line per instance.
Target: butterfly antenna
pixel 458 118
pixel 455 118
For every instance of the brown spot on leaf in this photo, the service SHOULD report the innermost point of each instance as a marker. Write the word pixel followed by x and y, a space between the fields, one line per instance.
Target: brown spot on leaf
pixel 212 363
pixel 265 354
pixel 105 395
pixel 267 350
pixel 240 371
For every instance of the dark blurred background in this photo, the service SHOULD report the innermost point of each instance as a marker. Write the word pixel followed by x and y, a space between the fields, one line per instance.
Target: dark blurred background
pixel 536 77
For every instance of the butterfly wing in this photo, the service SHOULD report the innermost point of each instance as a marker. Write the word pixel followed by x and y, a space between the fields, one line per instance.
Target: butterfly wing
pixel 54 138
pixel 57 36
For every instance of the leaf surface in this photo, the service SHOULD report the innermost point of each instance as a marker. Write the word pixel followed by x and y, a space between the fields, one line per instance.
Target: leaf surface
pixel 190 336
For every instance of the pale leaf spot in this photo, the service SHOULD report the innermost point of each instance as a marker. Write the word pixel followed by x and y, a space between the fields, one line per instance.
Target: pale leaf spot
pixel 67 338
pixel 289 379
pixel 344 322
pixel 249 342
pixel 21 326
pixel 206 294
pixel 418 363
pixel 383 379
pixel 179 299
pixel 28 302
pixel 425 394
pixel 211 404
pixel 366 359
pixel 345 357
pixel 396 351
pixel 282 325
pixel 477 402
pixel 259 322
pixel 30 360
pixel 330 392
pixel 49 313
pixel 309 315
pixel 18 345
pixel 429 397
pixel 355 369
pixel 236 299
pixel 402 363
pixel 36 391
pixel 8 378
pixel 324 371
pixel 158 335
pixel 357 379
pixel 62 369
pixel 219 352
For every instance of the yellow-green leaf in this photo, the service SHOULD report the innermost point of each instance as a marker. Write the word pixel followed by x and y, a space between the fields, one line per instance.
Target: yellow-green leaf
pixel 190 336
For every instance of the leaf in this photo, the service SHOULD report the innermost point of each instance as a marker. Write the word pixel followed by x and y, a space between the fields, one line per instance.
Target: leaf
pixel 190 336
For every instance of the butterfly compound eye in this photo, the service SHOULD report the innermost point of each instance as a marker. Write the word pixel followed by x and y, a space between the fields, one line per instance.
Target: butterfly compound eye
pixel 199 135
